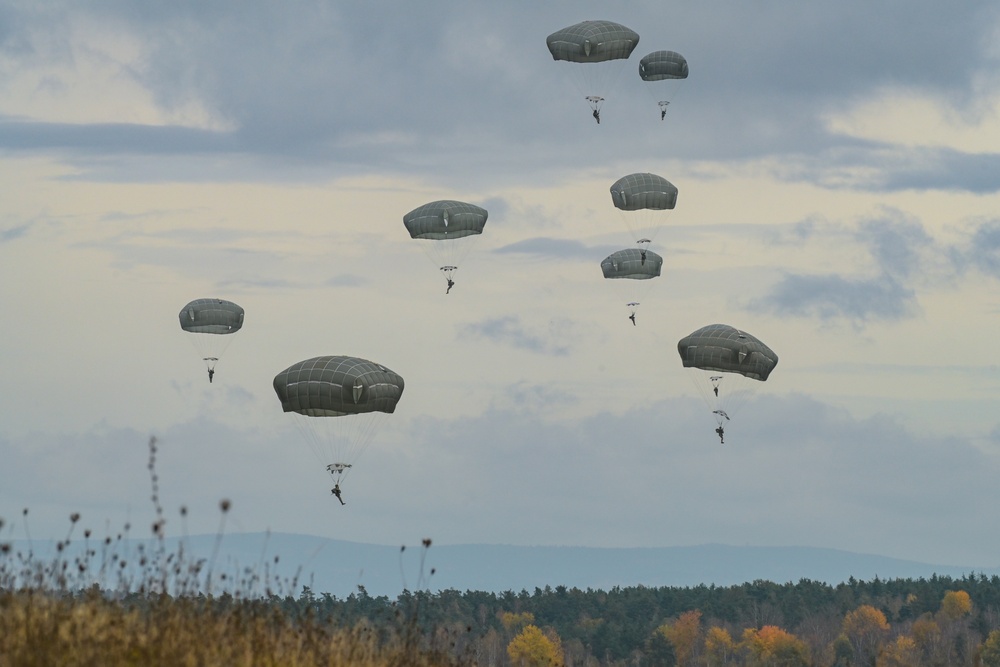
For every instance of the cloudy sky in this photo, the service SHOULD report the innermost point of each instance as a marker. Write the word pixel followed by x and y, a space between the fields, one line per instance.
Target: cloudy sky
pixel 838 168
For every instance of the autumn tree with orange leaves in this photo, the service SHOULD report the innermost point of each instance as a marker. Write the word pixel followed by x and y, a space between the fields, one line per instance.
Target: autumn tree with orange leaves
pixel 683 635
pixel 865 628
pixel 773 646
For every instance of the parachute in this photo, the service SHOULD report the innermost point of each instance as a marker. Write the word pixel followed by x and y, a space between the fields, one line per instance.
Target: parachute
pixel 451 227
pixel 664 71
pixel 630 270
pixel 642 201
pixel 338 403
pixel 725 365
pixel 212 320
pixel 595 51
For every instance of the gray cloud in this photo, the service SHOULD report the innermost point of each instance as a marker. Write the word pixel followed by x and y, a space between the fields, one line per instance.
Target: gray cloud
pixel 982 251
pixel 905 259
pixel 942 169
pixel 477 97
pixel 831 296
pixel 113 138
pixel 509 330
pixel 794 471
pixel 896 244
pixel 847 163
pixel 15 232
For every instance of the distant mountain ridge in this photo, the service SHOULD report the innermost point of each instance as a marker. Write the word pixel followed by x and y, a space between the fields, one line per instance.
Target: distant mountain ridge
pixel 338 567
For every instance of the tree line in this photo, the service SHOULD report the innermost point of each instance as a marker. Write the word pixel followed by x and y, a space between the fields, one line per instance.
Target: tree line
pixel 883 623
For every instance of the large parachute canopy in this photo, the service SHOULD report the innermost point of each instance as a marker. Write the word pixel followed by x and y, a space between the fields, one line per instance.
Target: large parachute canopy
pixel 663 71
pixel 725 364
pixel 630 271
pixel 632 263
pixel 338 403
pixel 642 200
pixel 450 227
pixel 595 52
pixel 212 320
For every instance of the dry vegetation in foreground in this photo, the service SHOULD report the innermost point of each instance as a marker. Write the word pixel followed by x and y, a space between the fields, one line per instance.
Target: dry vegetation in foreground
pixel 100 604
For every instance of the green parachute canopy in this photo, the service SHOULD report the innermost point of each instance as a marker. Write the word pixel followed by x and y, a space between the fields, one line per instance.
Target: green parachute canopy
pixel 636 192
pixel 334 386
pixel 450 227
pixel 643 201
pixel 445 219
pixel 663 72
pixel 632 263
pixel 592 42
pixel 726 366
pixel 337 403
pixel 211 320
pixel 595 51
pixel 720 347
pixel 662 65
pixel 211 316
pixel 629 272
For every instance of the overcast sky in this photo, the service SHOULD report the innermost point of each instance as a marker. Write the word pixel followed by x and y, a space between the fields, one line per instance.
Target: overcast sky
pixel 838 168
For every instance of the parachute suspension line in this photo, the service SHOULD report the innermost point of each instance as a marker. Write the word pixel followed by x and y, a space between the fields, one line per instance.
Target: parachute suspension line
pixel 338 471
pixel 595 101
pixel 724 394
pixel 448 254
pixel 338 442
pixel 703 387
pixel 210 347
pixel 643 225
pixel 595 81
pixel 673 93
pixel 323 439
pixel 447 271
pixel 313 437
